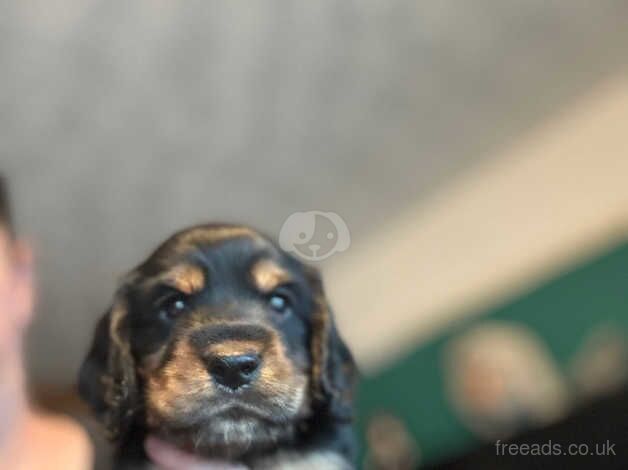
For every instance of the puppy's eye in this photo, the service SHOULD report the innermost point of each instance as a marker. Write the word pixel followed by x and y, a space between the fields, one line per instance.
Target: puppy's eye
pixel 280 303
pixel 174 306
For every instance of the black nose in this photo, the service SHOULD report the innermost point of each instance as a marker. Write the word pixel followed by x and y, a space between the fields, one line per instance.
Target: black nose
pixel 234 371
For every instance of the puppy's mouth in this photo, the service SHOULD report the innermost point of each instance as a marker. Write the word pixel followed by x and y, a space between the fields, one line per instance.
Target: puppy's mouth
pixel 200 413
pixel 236 409
pixel 230 430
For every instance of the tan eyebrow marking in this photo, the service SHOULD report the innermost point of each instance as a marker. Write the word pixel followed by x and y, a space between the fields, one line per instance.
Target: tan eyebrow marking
pixel 186 278
pixel 267 275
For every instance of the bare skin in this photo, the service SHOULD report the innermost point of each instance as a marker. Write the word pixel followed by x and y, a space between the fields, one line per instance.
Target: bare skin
pixel 29 438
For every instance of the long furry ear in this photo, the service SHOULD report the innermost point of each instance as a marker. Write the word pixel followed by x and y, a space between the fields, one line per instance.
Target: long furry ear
pixel 334 372
pixel 107 380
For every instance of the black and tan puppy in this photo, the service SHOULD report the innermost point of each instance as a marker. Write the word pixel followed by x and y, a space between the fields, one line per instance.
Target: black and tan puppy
pixel 224 345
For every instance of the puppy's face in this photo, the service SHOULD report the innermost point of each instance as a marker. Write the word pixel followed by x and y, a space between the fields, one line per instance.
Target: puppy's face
pixel 220 342
pixel 220 331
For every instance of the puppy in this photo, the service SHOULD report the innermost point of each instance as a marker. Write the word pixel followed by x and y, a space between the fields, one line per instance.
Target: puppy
pixel 224 345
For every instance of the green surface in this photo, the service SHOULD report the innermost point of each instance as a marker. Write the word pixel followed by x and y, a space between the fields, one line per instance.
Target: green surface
pixel 561 312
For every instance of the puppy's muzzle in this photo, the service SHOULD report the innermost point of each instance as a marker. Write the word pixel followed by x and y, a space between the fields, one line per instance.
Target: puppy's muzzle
pixel 233 353
pixel 234 371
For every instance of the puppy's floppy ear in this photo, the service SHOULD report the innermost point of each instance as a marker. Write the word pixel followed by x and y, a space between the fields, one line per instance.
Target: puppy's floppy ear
pixel 334 372
pixel 107 380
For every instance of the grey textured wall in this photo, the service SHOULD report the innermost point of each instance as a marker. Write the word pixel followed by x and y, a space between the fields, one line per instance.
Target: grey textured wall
pixel 123 121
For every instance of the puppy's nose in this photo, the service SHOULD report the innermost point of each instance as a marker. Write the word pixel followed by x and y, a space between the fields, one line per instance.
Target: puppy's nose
pixel 234 371
pixel 314 247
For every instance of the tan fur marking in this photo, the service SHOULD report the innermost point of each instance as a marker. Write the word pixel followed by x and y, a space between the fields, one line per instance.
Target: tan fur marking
pixel 117 315
pixel 186 278
pixel 278 377
pixel 183 380
pixel 267 275
pixel 234 348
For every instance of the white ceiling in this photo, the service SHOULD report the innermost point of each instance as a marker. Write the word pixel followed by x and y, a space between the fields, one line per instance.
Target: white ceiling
pixel 123 121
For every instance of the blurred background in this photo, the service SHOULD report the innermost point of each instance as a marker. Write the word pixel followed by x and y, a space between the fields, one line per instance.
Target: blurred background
pixel 476 151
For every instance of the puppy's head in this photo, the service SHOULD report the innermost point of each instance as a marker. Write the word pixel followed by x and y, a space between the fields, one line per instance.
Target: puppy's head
pixel 219 342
